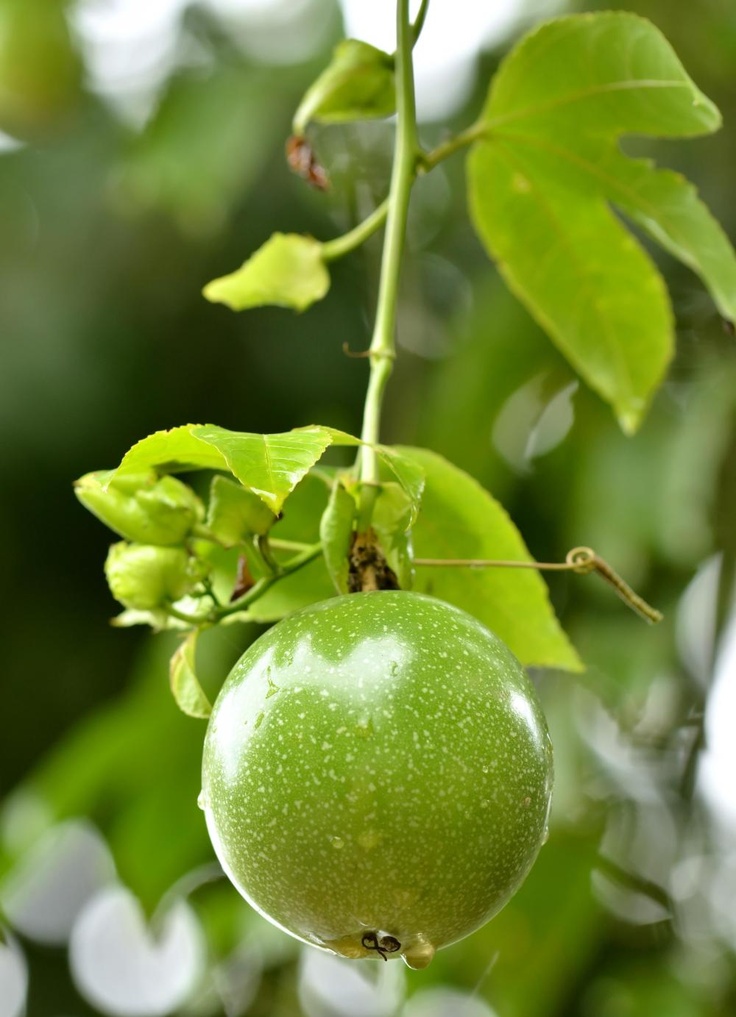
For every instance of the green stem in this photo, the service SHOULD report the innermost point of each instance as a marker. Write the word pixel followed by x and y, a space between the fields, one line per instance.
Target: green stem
pixel 473 133
pixel 382 348
pixel 255 592
pixel 426 161
pixel 340 246
pixel 416 28
pixel 264 550
pixel 309 553
pixel 190 619
pixel 289 545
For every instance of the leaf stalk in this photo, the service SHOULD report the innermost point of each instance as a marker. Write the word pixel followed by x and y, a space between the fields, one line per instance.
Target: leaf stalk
pixel 581 560
pixel 340 246
pixel 307 555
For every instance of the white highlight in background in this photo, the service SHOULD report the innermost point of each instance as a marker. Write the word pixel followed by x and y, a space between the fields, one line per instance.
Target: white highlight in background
pixel 123 969
pixel 455 32
pixel 335 987
pixel 54 879
pixel 132 46
pixel 13 978
pixel 717 774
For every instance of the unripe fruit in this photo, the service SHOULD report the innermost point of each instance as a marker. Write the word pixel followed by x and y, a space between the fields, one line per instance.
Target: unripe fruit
pixel 377 775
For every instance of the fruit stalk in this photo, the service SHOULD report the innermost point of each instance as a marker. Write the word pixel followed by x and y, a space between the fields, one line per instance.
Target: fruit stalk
pixel 382 348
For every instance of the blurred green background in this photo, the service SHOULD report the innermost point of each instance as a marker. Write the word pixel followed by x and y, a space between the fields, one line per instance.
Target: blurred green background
pixel 114 212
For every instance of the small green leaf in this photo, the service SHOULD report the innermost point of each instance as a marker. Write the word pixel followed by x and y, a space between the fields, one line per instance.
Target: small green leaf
pixel 409 474
pixel 287 271
pixel 393 515
pixel 269 465
pixel 357 84
pixel 235 514
pixel 188 693
pixel 548 167
pixel 459 519
pixel 336 530
pixel 300 522
pixel 177 450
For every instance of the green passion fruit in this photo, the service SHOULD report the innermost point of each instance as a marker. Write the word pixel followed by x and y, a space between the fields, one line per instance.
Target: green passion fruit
pixel 377 775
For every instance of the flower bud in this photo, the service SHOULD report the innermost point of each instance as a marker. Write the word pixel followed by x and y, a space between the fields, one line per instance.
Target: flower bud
pixel 142 507
pixel 146 578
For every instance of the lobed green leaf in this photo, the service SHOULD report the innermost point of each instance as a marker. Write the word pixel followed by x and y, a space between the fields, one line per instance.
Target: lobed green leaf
pixel 459 519
pixel 269 465
pixel 546 171
pixel 668 207
pixel 608 73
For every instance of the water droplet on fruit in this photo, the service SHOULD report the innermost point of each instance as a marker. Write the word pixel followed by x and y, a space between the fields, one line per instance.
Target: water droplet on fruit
pixel 370 839
pixel 419 954
pixel 337 843
pixel 259 721
pixel 364 727
pixel 202 800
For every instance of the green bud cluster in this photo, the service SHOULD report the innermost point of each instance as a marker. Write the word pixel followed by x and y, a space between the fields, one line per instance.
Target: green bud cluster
pixel 142 507
pixel 153 567
pixel 147 578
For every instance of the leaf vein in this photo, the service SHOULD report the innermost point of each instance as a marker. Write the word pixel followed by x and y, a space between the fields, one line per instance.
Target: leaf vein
pixel 589 92
pixel 549 212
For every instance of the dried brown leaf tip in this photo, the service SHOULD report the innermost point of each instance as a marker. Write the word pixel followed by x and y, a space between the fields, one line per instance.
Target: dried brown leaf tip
pixel 244 581
pixel 302 161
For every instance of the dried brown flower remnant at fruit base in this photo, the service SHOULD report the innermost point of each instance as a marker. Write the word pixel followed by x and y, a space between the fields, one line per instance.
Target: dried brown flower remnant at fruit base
pixel 368 568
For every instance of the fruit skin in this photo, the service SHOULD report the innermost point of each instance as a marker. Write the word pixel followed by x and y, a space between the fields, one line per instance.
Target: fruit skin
pixel 377 771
